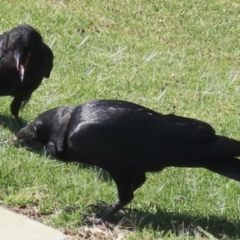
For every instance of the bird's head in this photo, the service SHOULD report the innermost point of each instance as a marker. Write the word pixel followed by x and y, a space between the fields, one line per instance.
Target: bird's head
pixel 28 132
pixel 47 125
pixel 38 129
pixel 23 41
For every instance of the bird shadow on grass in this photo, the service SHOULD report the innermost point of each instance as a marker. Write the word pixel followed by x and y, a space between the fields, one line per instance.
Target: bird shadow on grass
pixel 179 224
pixel 10 123
pixel 162 221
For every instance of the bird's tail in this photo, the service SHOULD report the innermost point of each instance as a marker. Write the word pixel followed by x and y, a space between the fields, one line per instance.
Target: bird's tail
pixel 227 147
pixel 225 161
pixel 228 167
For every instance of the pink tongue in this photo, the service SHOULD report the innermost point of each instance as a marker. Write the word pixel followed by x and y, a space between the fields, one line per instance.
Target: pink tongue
pixel 21 71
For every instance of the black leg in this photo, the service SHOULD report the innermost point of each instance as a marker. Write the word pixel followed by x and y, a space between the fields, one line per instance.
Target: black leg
pixel 114 209
pixel 19 121
pixel 125 194
pixel 138 181
pixel 126 183
pixel 17 103
pixel 125 191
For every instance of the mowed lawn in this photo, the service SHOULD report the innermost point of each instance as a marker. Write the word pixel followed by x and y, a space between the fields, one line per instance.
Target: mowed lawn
pixel 180 57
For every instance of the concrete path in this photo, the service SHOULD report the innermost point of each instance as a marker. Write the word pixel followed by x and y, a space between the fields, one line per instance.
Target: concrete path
pixel 18 227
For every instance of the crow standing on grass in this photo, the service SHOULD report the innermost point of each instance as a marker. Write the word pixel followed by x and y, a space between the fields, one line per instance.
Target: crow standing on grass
pixel 24 61
pixel 129 140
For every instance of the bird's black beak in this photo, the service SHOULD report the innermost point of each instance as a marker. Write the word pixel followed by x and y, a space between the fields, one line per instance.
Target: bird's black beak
pixel 21 62
pixel 25 133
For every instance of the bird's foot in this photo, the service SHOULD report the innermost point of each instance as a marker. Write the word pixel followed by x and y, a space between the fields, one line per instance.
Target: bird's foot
pixel 93 220
pixel 98 221
pixel 100 205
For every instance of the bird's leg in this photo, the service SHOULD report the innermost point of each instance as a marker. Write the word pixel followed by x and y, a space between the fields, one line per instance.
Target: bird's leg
pixel 16 104
pixel 138 181
pixel 15 107
pixel 125 194
pixel 114 209
pixel 19 121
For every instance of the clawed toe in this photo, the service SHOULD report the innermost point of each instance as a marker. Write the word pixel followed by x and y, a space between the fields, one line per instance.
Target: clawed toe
pixel 93 220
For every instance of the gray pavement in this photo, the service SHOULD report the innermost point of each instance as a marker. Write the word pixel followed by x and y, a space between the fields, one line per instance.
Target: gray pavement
pixel 14 226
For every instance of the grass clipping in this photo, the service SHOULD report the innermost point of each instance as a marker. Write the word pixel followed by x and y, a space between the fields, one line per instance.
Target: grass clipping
pixel 100 232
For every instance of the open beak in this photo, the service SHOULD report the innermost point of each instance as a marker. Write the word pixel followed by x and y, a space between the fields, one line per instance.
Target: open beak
pixel 21 72
pixel 24 133
pixel 19 65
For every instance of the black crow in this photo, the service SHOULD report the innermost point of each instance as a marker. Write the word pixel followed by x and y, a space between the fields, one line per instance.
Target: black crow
pixel 24 61
pixel 128 140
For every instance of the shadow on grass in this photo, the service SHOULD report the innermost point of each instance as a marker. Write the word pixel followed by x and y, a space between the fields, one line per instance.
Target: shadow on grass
pixel 161 221
pixel 180 224
pixel 10 123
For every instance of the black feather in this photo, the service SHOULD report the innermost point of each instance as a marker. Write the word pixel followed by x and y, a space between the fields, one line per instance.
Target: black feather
pixel 129 140
pixel 25 43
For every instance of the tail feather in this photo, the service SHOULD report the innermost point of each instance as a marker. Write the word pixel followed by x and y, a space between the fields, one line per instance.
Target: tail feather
pixel 228 147
pixel 229 167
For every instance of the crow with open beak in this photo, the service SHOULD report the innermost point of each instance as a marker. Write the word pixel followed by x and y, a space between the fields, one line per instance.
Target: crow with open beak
pixel 21 56
pixel 24 61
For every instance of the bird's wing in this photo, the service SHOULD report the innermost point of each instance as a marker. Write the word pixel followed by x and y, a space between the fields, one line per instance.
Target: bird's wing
pixel 175 127
pixel 138 135
pixel 131 119
pixel 48 58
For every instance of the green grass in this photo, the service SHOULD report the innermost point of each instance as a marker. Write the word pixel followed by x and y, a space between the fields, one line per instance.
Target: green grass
pixel 178 57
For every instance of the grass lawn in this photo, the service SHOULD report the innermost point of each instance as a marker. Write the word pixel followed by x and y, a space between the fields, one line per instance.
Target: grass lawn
pixel 178 57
